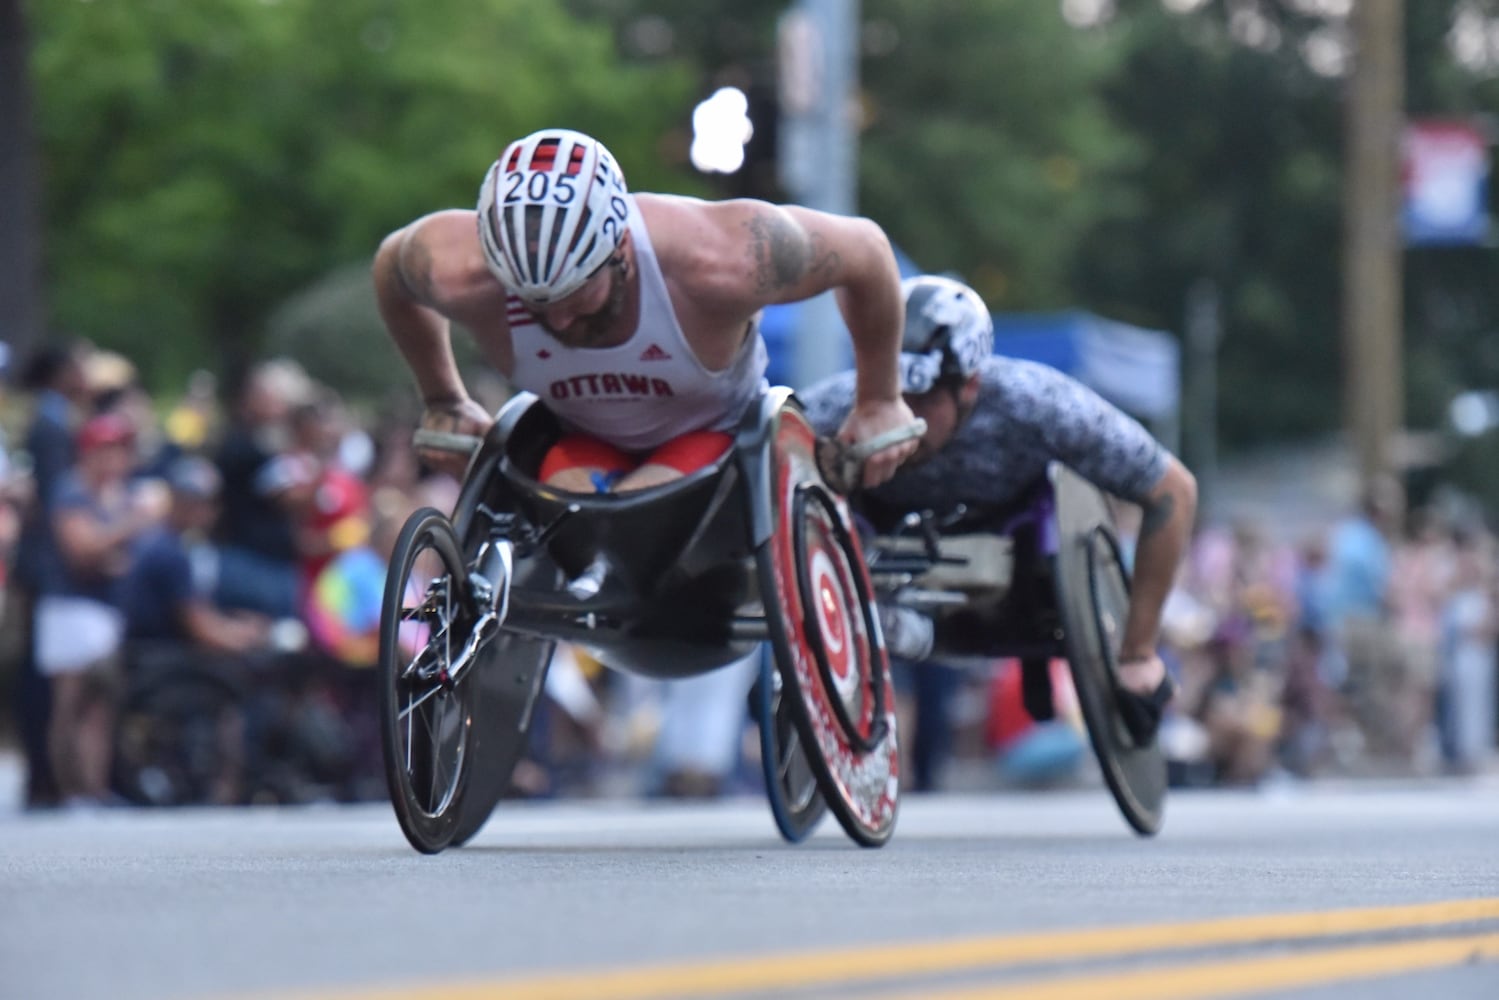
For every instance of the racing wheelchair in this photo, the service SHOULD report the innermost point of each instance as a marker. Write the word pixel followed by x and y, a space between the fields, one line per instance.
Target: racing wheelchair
pixel 1039 579
pixel 670 581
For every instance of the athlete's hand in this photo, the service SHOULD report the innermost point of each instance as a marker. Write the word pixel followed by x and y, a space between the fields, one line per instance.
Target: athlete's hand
pixel 460 416
pixel 869 420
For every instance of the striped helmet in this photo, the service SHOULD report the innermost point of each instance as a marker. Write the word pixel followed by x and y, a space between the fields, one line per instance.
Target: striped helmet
pixel 948 332
pixel 551 213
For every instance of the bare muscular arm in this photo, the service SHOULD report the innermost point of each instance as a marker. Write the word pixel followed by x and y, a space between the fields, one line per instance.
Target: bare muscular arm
pixel 795 253
pixel 1169 513
pixel 404 288
pixel 424 274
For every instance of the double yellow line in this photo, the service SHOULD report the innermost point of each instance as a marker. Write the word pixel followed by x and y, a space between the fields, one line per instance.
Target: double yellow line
pixel 881 965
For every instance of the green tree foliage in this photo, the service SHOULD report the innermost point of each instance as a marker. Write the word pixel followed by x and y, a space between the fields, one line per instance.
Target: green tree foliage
pixel 204 159
pixel 986 148
pixel 989 151
pixel 1241 185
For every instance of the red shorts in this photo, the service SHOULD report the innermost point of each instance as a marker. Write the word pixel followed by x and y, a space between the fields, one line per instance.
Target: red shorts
pixel 687 453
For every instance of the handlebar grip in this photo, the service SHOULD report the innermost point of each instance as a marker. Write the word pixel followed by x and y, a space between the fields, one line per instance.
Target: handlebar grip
pixel 461 444
pixel 861 451
pixel 843 465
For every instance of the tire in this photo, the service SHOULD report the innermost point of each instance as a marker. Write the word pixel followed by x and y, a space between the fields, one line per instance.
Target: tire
pixel 427 721
pixel 820 614
pixel 1092 591
pixel 791 787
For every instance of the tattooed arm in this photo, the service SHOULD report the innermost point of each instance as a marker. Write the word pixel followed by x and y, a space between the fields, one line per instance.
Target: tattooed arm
pixel 423 274
pixel 794 253
pixel 1170 510
pixel 746 254
pixel 409 293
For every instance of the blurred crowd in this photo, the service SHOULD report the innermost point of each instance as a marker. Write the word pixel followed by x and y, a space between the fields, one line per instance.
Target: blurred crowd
pixel 1369 647
pixel 192 591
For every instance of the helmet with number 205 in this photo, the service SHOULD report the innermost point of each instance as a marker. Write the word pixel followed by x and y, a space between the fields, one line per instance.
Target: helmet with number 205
pixel 552 211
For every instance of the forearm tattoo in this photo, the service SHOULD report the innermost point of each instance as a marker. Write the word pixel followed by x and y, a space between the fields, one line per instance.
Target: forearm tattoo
pixel 783 255
pixel 1157 515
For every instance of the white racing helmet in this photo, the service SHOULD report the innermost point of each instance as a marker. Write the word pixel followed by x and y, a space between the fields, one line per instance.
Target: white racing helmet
pixel 948 332
pixel 552 211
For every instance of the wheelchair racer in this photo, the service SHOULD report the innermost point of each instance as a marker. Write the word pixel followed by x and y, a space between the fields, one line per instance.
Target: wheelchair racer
pixel 993 424
pixel 634 318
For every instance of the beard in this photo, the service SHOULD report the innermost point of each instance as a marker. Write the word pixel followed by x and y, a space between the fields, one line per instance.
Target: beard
pixel 594 329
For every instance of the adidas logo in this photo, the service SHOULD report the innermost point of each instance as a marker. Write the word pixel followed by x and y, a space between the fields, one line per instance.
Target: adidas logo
pixel 654 353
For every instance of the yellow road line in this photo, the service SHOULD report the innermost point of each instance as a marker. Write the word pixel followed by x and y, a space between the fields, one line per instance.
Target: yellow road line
pixel 865 964
pixel 1243 976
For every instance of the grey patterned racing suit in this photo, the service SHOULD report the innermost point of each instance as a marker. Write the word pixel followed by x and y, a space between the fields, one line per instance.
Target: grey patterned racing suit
pixel 1027 414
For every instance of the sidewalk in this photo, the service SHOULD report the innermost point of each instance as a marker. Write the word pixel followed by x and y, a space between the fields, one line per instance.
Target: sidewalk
pixel 12 781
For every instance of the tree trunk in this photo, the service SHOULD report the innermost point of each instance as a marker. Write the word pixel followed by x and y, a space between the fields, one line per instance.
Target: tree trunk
pixel 20 213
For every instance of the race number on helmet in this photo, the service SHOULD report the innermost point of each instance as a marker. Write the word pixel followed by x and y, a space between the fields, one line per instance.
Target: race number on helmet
pixel 948 332
pixel 551 213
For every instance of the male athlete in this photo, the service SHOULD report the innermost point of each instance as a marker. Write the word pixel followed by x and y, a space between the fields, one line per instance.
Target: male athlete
pixel 992 425
pixel 633 317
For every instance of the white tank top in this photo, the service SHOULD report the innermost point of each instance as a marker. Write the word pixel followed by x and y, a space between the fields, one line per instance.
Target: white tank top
pixel 640 394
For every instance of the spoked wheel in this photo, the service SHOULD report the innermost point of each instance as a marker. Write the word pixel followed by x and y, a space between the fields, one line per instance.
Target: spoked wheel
pixel 790 784
pixel 1093 596
pixel 821 615
pixel 427 713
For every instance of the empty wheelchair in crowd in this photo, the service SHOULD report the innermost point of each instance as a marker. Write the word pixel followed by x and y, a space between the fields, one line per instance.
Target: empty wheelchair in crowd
pixel 1039 579
pixel 670 581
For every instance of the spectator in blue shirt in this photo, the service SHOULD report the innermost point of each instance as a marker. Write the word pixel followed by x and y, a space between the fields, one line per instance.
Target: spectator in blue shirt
pixel 168 588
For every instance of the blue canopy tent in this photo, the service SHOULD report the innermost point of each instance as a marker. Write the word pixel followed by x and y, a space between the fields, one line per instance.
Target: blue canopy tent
pixel 1137 370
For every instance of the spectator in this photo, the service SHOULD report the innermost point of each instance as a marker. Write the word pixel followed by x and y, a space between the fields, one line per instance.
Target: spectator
pixel 1468 663
pixel 79 629
pixel 166 596
pixel 1359 566
pixel 327 504
pixel 55 374
pixel 257 546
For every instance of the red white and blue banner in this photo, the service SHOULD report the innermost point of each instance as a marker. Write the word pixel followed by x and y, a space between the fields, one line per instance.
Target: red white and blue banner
pixel 1445 175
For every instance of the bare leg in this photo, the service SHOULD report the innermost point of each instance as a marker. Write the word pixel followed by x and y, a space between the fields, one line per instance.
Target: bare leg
pixel 62 734
pixel 95 749
pixel 646 476
pixel 578 479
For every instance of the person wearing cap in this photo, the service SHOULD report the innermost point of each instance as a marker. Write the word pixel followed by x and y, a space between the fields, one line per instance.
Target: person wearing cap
pixel 634 317
pixel 78 624
pixel 167 597
pixel 993 425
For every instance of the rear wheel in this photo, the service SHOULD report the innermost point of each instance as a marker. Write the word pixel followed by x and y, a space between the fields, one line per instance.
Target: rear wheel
pixel 427 717
pixel 1093 597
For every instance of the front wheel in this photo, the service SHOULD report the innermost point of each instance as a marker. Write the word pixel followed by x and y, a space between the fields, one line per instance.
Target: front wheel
pixel 426 715
pixel 790 784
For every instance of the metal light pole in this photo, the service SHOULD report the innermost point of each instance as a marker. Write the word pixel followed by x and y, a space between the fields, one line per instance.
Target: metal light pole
pixel 1374 389
pixel 818 161
pixel 1204 332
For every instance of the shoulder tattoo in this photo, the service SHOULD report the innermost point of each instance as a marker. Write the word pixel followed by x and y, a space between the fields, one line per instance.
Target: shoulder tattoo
pixel 414 269
pixel 782 254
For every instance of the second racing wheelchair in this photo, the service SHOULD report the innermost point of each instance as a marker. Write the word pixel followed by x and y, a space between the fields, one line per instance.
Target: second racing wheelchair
pixel 1040 579
pixel 670 581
